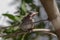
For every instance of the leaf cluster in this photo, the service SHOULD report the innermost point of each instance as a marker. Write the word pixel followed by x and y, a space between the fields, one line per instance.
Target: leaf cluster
pixel 22 10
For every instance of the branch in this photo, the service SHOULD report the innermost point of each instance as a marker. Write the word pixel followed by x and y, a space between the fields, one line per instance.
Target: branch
pixel 5 27
pixel 48 31
pixel 53 14
pixel 43 30
pixel 41 21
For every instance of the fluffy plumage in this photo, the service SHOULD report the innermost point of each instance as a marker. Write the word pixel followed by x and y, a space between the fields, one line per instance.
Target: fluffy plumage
pixel 27 22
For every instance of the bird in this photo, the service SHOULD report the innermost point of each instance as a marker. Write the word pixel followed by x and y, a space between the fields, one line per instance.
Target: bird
pixel 28 21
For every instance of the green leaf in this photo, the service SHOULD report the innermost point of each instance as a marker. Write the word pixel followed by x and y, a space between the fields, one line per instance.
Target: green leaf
pixel 28 1
pixel 27 36
pixel 8 31
pixel 41 25
pixel 23 9
pixel 23 6
pixel 20 37
pixel 22 12
pixel 10 16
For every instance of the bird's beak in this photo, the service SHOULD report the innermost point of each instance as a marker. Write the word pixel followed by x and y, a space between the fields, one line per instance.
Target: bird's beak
pixel 34 13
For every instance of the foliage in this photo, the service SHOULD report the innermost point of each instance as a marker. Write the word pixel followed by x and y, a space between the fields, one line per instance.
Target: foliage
pixel 22 10
pixel 41 25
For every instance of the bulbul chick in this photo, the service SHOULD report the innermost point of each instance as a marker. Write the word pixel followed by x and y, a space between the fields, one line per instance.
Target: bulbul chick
pixel 27 22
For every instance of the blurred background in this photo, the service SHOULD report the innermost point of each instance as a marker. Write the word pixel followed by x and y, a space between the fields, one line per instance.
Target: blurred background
pixel 5 6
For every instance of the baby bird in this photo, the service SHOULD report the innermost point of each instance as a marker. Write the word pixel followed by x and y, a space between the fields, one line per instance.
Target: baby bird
pixel 27 22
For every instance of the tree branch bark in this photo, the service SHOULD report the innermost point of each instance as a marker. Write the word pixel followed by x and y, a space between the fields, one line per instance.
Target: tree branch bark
pixel 53 14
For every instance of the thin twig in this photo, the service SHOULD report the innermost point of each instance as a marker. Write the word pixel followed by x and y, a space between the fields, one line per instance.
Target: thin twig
pixel 4 27
pixel 47 30
pixel 40 21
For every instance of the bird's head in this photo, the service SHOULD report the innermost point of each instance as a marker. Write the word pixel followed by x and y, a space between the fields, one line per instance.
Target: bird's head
pixel 32 13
